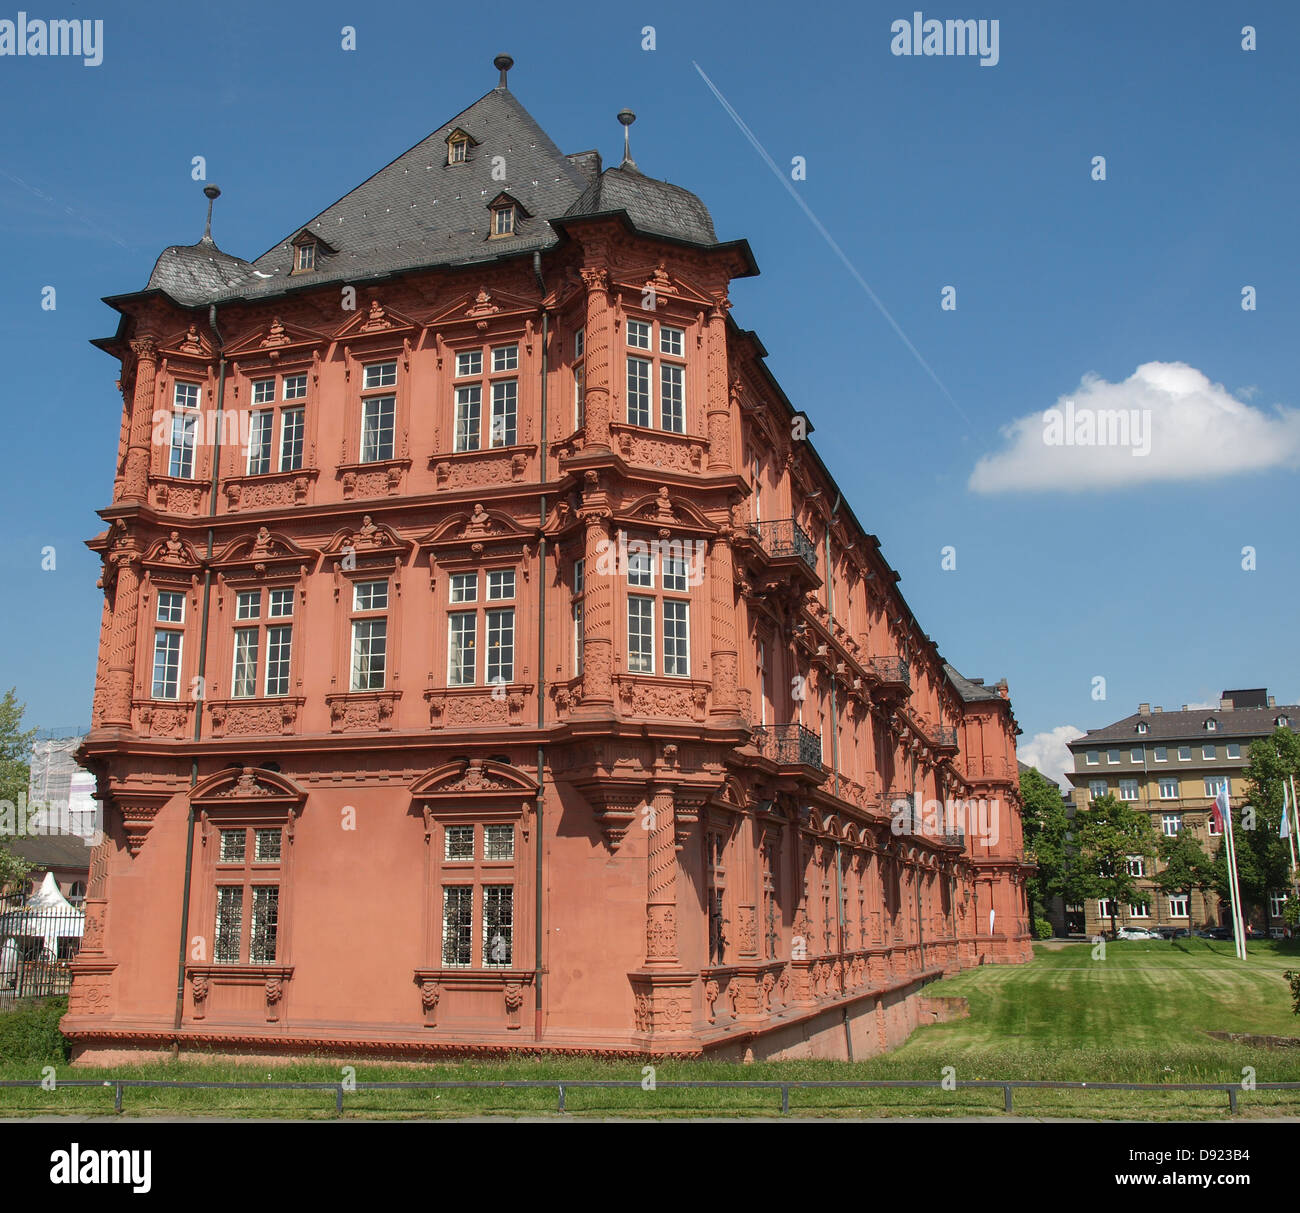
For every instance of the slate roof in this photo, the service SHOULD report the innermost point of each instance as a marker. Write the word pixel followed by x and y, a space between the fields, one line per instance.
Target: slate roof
pixel 419 211
pixel 1190 725
pixel 970 689
pixel 52 850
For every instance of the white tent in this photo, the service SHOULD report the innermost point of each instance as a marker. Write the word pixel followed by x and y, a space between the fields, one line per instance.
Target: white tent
pixel 48 916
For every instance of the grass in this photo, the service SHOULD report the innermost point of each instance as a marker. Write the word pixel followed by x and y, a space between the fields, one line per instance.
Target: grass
pixel 1140 1015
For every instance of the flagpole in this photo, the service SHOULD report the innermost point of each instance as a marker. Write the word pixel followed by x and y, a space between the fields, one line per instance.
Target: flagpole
pixel 1294 829
pixel 1223 804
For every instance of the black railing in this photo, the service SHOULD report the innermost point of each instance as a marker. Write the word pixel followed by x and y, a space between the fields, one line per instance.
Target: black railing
pixel 788 744
pixel 942 1086
pixel 785 537
pixel 944 736
pixel 36 946
pixel 892 669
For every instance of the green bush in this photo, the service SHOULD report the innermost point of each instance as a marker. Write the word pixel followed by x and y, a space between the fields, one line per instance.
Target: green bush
pixel 30 1032
pixel 1042 928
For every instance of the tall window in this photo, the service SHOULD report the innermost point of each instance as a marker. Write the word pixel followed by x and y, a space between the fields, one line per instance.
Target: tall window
pixel 1096 788
pixel 1178 905
pixel 168 639
pixel 1276 904
pixel 1213 783
pixel 478 896
pixel 1136 865
pixel 671 605
pixel 262 445
pixel 1171 823
pixel 579 378
pixel 660 366
pixel 715 850
pixel 369 635
pixel 185 419
pixel 249 642
pixel 576 601
pixel 248 895
pixel 499 386
pixel 378 411
pixel 1169 789
pixel 1128 789
pixel 497 626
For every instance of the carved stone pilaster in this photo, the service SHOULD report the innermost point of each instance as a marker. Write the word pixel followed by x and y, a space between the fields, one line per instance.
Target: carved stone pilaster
pixel 722 598
pixel 135 478
pixel 598 614
pixel 596 391
pixel 116 704
pixel 719 399
pixel 661 883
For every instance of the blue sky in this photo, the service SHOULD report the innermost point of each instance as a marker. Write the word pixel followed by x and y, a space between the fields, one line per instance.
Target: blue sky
pixel 927 171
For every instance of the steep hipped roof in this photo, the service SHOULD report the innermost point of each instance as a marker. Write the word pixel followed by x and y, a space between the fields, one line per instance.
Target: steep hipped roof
pixel 971 690
pixel 1190 725
pixel 655 207
pixel 420 211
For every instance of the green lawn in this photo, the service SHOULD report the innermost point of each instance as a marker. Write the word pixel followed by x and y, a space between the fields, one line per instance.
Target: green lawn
pixel 1139 1015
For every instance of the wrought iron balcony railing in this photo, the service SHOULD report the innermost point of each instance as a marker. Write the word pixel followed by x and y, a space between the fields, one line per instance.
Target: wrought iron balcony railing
pixel 785 537
pixel 892 670
pixel 944 736
pixel 788 744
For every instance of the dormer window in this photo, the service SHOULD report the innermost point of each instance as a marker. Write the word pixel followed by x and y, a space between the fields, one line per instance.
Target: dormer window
pixel 458 144
pixel 1142 728
pixel 503 220
pixel 1282 722
pixel 306 257
pixel 308 249
pixel 1211 725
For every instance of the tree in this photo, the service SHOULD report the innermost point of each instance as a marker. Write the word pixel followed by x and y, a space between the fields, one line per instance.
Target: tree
pixel 15 775
pixel 1263 859
pixel 1045 826
pixel 1186 866
pixel 1108 832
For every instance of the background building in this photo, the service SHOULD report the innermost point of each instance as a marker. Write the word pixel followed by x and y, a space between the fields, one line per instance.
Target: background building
pixel 1171 765
pixel 551 695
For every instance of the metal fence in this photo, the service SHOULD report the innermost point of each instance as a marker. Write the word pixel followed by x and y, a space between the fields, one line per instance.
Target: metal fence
pixel 560 1086
pixel 37 945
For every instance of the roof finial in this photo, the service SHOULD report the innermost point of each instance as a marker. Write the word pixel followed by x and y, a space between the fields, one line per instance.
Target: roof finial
pixel 503 63
pixel 212 193
pixel 627 117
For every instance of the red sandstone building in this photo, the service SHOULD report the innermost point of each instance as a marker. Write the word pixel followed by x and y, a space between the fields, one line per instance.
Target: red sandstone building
pixel 488 661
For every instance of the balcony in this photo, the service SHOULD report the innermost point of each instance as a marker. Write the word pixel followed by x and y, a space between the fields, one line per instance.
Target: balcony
pixel 788 745
pixel 944 737
pixel 783 538
pixel 893 678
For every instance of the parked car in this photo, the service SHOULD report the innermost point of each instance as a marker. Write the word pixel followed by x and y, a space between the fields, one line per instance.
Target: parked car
pixel 1136 933
pixel 1219 933
pixel 1172 932
pixel 1277 932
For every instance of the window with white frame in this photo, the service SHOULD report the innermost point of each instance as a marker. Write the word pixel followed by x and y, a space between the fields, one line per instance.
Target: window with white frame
pixel 1162 753
pixel 1212 826
pixel 185 421
pixel 1276 903
pixel 1170 824
pixel 1107 909
pixel 168 639
pixel 1211 725
pixel 378 412
pixel 1178 907
pixel 662 367
pixel 1112 757
pixel 497 626
pixel 1169 789
pixel 1136 754
pixel 250 632
pixel 1093 757
pixel 1207 752
pixel 369 635
pixel 1184 753
pixel 579 378
pixel 1139 910
pixel 1096 788
pixel 1128 789
pixel 1136 865
pixel 1234 749
pixel 663 614
pixel 1142 726
pixel 490 373
pixel 576 603
pixel 1213 784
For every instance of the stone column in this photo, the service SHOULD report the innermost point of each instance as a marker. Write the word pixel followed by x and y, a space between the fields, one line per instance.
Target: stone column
pixel 598 361
pixel 122 635
pixel 722 601
pixel 598 611
pixel 719 398
pixel 661 883
pixel 135 480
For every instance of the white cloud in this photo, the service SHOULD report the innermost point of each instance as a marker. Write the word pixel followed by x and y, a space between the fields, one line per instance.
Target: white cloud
pixel 1165 422
pixel 1050 754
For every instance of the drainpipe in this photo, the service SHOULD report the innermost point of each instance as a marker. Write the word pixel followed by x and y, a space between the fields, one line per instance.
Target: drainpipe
pixel 538 934
pixel 203 665
pixel 830 614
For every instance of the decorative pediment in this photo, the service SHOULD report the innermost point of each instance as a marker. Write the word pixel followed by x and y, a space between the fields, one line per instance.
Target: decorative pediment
pixel 307 236
pixel 370 543
pixel 476 530
pixel 375 319
pixel 191 342
pixel 172 555
pixel 663 511
pixel 505 198
pixel 246 786
pixel 275 339
pixel 473 776
pixel 482 305
pixel 261 554
pixel 642 279
pixel 731 795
